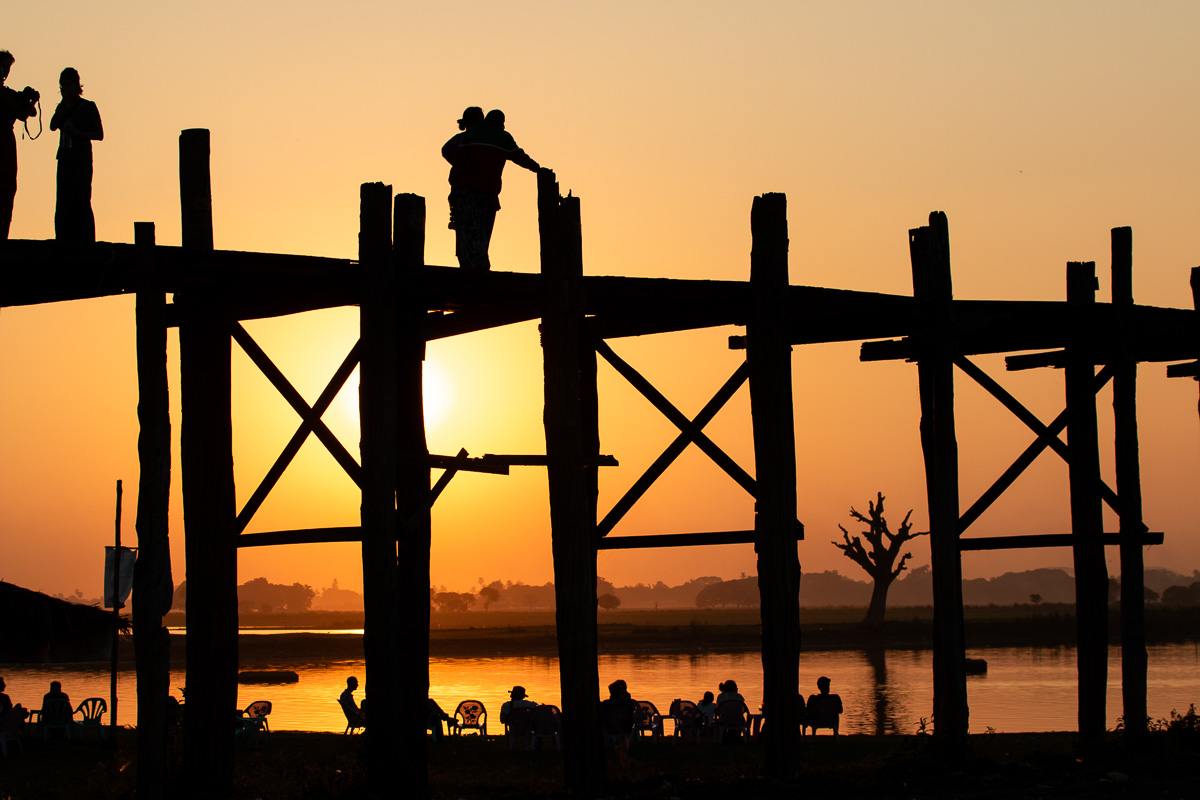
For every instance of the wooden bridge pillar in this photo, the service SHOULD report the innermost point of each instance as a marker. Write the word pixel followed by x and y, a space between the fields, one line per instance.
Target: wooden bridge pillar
pixel 768 356
pixel 570 436
pixel 1134 658
pixel 412 487
pixel 378 394
pixel 929 251
pixel 152 585
pixel 1087 520
pixel 206 443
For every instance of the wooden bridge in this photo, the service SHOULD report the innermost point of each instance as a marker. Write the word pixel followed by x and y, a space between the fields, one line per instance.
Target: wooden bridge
pixel 405 303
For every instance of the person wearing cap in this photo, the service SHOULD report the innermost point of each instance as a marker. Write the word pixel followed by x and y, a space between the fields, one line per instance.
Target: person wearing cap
pixel 477 157
pixel 519 700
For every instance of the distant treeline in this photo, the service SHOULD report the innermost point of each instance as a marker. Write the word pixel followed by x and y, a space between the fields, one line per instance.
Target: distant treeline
pixel 817 589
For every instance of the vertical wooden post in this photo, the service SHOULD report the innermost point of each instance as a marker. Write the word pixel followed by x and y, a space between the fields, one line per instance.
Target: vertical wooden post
pixel 206 446
pixel 152 584
pixel 1129 489
pixel 378 398
pixel 1087 520
pixel 412 488
pixel 769 358
pixel 572 502
pixel 929 251
pixel 116 609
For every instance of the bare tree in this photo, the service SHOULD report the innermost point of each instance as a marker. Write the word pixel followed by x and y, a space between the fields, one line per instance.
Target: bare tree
pixel 880 561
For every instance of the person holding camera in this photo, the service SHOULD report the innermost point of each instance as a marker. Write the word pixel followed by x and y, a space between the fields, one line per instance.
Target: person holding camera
pixel 14 105
pixel 78 121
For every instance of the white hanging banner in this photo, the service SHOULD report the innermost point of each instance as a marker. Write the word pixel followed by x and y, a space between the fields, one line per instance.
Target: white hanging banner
pixel 125 574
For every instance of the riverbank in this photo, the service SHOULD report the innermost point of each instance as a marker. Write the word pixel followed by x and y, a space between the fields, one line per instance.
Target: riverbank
pixel 501 633
pixel 311 765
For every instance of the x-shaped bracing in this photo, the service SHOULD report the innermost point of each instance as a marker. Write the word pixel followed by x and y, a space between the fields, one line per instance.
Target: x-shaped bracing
pixel 1047 436
pixel 690 431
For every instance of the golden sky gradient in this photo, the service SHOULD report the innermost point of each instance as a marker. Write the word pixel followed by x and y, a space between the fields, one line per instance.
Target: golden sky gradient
pixel 1037 127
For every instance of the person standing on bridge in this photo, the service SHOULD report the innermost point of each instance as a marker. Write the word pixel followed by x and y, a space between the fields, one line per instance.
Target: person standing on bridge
pixel 78 121
pixel 14 105
pixel 477 157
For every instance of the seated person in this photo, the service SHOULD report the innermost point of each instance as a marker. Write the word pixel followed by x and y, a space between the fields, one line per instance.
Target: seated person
pixel 707 709
pixel 56 695
pixel 518 700
pixel 7 707
pixel 729 691
pixel 352 709
pixel 616 713
pixel 824 709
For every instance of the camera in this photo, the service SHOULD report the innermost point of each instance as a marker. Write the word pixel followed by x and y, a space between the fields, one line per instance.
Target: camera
pixel 31 94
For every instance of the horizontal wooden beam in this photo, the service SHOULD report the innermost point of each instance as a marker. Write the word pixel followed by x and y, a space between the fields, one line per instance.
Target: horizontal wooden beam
pixel 1048 540
pixel 682 539
pixel 541 461
pixel 466 464
pixel 305 536
pixel 1189 370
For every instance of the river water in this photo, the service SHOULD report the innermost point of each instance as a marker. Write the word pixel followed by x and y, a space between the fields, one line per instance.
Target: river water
pixel 889 692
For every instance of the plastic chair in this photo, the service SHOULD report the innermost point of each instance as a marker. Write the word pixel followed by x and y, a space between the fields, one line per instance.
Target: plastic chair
pixel 93 710
pixel 546 724
pixel 822 711
pixel 686 717
pixel 733 720
pixel 519 724
pixel 254 720
pixel 10 731
pixel 470 715
pixel 56 715
pixel 646 719
pixel 354 717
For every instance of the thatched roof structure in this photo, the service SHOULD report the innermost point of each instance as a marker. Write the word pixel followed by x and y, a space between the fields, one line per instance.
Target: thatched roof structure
pixel 37 628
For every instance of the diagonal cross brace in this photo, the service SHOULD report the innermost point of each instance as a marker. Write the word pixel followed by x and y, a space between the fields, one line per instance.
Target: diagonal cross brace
pixel 310 420
pixel 1047 437
pixel 690 431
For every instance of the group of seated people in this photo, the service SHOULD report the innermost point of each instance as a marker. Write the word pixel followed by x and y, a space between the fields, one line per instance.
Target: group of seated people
pixel 823 710
pixel 356 713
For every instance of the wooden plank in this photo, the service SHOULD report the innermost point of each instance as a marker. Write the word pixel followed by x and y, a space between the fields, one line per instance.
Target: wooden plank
pixel 413 496
pixel 206 454
pixel 1041 540
pixel 707 538
pixel 1091 573
pixel 769 365
pixel 1134 658
pixel 301 536
pixel 573 538
pixel 541 461
pixel 152 585
pixel 378 399
pixel 929 250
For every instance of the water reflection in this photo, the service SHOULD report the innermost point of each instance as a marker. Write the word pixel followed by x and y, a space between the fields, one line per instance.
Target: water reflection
pixel 883 691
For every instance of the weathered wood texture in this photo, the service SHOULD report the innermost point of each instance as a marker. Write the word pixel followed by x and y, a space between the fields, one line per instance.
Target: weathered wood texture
pixel 378 399
pixel 929 249
pixel 412 487
pixel 1087 521
pixel 769 358
pixel 1134 659
pixel 152 584
pixel 206 452
pixel 569 440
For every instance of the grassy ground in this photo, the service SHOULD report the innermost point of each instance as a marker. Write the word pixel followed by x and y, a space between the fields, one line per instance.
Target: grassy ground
pixel 315 765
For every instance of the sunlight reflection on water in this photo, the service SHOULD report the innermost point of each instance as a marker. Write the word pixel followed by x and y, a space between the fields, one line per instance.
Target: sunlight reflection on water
pixel 889 693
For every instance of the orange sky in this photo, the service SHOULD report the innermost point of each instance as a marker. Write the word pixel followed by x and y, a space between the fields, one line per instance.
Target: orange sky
pixel 1036 127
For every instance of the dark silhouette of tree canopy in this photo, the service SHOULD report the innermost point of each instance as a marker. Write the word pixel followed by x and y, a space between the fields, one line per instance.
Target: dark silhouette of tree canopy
pixel 880 561
pixel 740 592
pixel 608 601
pixel 454 601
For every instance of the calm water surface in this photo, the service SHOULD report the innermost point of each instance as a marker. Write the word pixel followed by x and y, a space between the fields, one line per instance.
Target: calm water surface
pixel 888 692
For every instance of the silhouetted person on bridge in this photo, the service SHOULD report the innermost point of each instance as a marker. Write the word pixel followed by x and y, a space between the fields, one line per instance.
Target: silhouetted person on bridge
pixel 78 121
pixel 14 105
pixel 477 157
